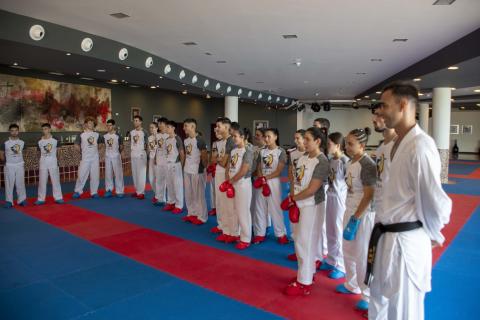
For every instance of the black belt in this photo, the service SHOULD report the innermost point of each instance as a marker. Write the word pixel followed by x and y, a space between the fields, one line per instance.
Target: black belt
pixel 377 232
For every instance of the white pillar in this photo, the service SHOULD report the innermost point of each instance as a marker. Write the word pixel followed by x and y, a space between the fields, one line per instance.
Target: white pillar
pixel 300 116
pixel 231 108
pixel 441 112
pixel 423 116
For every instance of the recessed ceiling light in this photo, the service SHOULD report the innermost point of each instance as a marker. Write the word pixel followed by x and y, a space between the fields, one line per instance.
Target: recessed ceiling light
pixel 443 2
pixel 56 73
pixel 358 99
pixel 376 60
pixel 373 100
pixel 77 73
pixel 127 67
pixel 420 94
pixel 184 92
pixel 400 40
pixel 152 87
pixel 85 78
pixel 221 61
pixel 453 89
pixel 19 67
pixel 183 84
pixel 160 77
pixel 417 79
pixel 158 86
pixel 208 96
pixel 367 97
pixel 289 36
pixel 119 15
pixel 452 68
pixel 134 86
pixel 68 54
pixel 478 104
pixel 378 92
pixel 101 70
pixel 15 63
pixel 452 100
pixel 114 80
pixel 462 108
pixel 316 94
pixel 476 90
pixel 190 43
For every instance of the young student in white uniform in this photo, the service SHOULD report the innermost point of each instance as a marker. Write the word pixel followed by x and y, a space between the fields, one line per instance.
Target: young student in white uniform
pixel 161 163
pixel 138 157
pixel 336 197
pixel 271 162
pixel 113 161
pixel 239 171
pixel 211 170
pixel 48 166
pixel 175 154
pixel 294 155
pixel 361 177
pixel 152 150
pixel 87 142
pixel 310 174
pixel 11 151
pixel 414 210
pixel 194 174
pixel 224 147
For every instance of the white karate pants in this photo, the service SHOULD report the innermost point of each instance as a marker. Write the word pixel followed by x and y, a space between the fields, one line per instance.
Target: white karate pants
pixel 160 182
pixel 334 225
pixel 195 195
pixel 151 174
pixel 88 167
pixel 113 168
pixel 175 184
pixel 139 173
pixel 54 174
pixel 270 205
pixel 15 177
pixel 240 222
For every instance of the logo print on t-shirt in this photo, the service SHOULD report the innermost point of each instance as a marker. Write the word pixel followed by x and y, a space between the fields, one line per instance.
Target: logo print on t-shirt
pixel 91 140
pixel 299 173
pixel 380 167
pixel 136 138
pixel 110 142
pixel 169 148
pixel 160 142
pixel 349 182
pixel 48 147
pixel 151 144
pixel 268 161
pixel 234 159
pixel 188 149
pixel 332 176
pixel 15 148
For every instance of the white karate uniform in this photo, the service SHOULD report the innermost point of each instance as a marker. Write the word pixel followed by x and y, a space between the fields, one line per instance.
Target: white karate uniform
pixel 138 157
pixel 223 206
pixel 152 150
pixel 212 182
pixel 359 174
pixel 174 171
pixel 403 264
pixel 293 159
pixel 336 197
pixel 90 163
pixel 308 228
pixel 49 167
pixel 239 221
pixel 161 167
pixel 195 178
pixel 14 171
pixel 113 163
pixel 264 206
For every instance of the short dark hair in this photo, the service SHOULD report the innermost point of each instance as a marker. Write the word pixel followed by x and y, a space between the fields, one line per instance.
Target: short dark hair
pixel 139 117
pixel 224 120
pixel 88 119
pixel 235 125
pixel 46 125
pixel 403 89
pixel 111 121
pixel 325 123
pixel 154 123
pixel 171 123
pixel 162 120
pixel 337 138
pixel 361 134
pixel 190 120
pixel 13 126
pixel 300 132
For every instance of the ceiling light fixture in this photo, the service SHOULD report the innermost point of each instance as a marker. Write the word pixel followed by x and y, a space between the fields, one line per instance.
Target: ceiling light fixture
pixel 56 73
pixel 114 80
pixel 68 54
pixel 85 78
pixel 127 67
pixel 190 43
pixel 77 73
pixel 184 92
pixel 378 92
pixel 417 79
pixel 452 68
pixel 400 40
pixel 289 36
pixel 476 90
pixel 153 87
pixel 87 44
pixel 453 89
pixel 15 63
pixel 101 70
pixel 119 15
pixel 208 96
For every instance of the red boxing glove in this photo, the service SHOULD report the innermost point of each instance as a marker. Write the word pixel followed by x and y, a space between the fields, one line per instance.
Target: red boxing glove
pixel 259 182
pixel 266 190
pixel 230 191
pixel 224 186
pixel 211 169
pixel 294 213
pixel 286 203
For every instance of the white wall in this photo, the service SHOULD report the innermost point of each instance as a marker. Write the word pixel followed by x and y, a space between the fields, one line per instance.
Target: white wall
pixel 344 121
pixel 466 142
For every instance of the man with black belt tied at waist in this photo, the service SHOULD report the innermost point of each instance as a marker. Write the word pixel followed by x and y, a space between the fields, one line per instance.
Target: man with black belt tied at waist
pixel 414 210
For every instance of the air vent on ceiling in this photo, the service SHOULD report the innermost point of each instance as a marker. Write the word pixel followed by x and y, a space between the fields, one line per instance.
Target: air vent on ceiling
pixel 289 36
pixel 361 73
pixel 259 82
pixel 221 61
pixel 376 60
pixel 120 15
pixel 190 43
pixel 400 40
pixel 208 53
pixel 240 74
pixel 443 2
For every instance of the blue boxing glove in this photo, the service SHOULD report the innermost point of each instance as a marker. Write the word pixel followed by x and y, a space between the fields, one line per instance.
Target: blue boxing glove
pixel 351 229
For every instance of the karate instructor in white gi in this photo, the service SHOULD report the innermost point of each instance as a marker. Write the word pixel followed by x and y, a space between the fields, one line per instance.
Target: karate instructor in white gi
pixel 415 210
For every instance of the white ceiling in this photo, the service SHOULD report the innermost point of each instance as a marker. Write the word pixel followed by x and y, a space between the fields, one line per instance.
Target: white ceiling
pixel 337 38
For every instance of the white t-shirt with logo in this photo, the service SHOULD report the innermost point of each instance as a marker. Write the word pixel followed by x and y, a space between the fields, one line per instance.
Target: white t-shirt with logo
pixel 48 152
pixel 13 149
pixel 240 156
pixel 224 147
pixel 113 141
pixel 161 152
pixel 307 169
pixel 270 159
pixel 88 141
pixel 173 145
pixel 359 174
pixel 138 142
pixel 152 146
pixel 193 151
